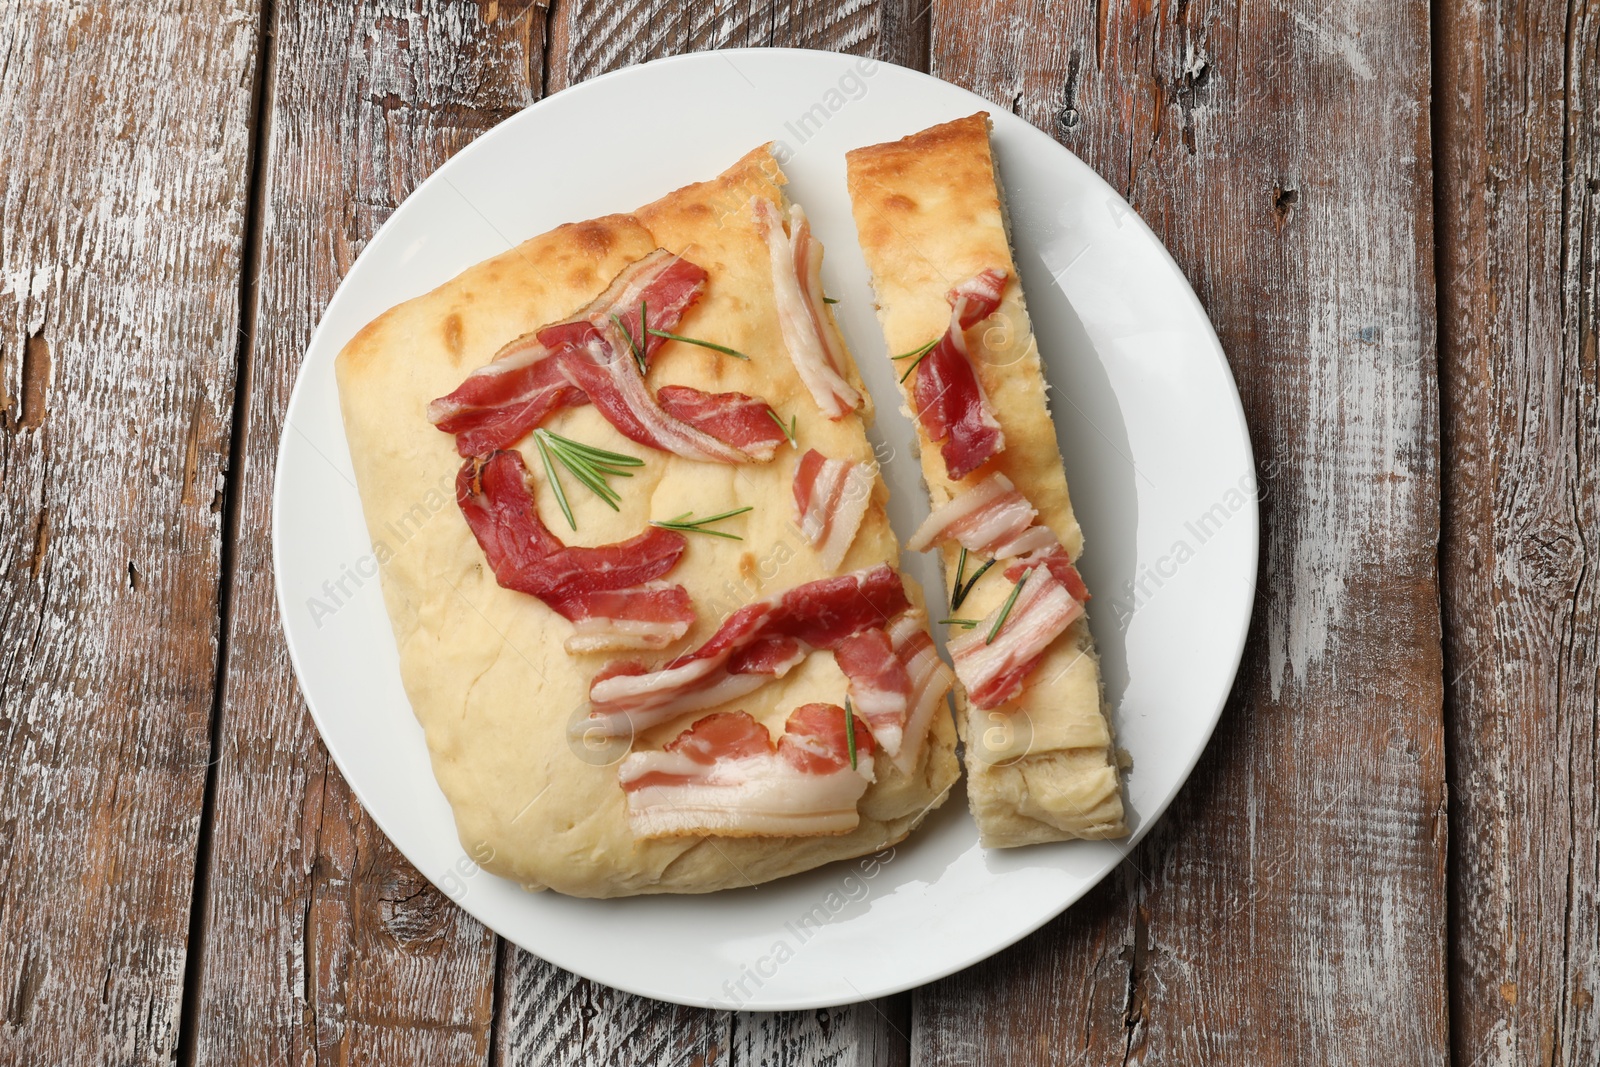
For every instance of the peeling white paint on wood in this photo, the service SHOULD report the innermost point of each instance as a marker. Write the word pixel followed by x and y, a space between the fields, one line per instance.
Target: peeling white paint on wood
pixel 121 225
pixel 1294 192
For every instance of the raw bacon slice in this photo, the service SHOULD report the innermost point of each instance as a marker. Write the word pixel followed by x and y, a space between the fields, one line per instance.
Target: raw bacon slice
pixel 813 345
pixel 949 399
pixel 1053 558
pixel 759 642
pixel 504 399
pixel 746 422
pixel 724 776
pixel 984 518
pixel 648 616
pixel 880 688
pixel 609 590
pixel 600 363
pixel 500 402
pixel 930 679
pixel 994 519
pixel 897 681
pixel 993 671
pixel 831 498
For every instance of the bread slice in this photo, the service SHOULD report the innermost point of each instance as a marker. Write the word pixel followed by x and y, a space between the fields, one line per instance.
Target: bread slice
pixel 485 668
pixel 929 213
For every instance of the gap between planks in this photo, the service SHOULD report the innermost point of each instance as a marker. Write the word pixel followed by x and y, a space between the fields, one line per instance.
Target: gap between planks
pixel 249 311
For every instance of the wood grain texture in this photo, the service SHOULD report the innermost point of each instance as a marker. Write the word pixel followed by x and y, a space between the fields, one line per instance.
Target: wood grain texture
pixel 122 218
pixel 1290 906
pixel 322 943
pixel 1518 112
pixel 550 1016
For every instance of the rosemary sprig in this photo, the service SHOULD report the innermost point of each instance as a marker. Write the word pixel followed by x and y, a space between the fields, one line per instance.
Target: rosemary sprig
pixel 968 623
pixel 789 430
pixel 963 591
pixel 634 346
pixel 724 349
pixel 920 349
pixel 590 465
pixel 921 355
pixel 850 730
pixel 917 351
pixel 684 524
pixel 1006 610
pixel 555 482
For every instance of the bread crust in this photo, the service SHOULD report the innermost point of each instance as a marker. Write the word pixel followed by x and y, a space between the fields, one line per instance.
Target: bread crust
pixel 929 215
pixel 484 667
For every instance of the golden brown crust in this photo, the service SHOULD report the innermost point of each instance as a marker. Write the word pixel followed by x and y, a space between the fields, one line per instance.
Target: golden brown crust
pixel 929 215
pixel 484 667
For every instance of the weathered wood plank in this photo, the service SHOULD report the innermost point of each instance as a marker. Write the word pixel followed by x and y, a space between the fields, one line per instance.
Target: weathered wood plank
pixel 122 219
pixel 1291 905
pixel 550 1016
pixel 322 943
pixel 1519 194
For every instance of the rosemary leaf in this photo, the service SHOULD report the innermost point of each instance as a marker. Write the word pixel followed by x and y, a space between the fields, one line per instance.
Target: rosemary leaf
pixel 1005 611
pixel 917 351
pixel 684 524
pixel 555 482
pixel 968 623
pixel 915 363
pixel 588 464
pixel 633 346
pixel 963 591
pixel 600 455
pixel 724 349
pixel 829 300
pixel 789 430
pixel 850 731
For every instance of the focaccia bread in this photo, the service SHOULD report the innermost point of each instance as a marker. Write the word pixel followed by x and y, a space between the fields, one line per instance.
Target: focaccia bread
pixel 1039 751
pixel 505 705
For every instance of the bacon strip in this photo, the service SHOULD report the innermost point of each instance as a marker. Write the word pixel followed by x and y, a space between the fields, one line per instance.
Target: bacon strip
pixel 746 422
pixel 1053 558
pixel 880 688
pixel 930 678
pixel 526 381
pixel 759 642
pixel 504 399
pixel 993 671
pixel 831 498
pixel 988 518
pixel 949 399
pixel 724 776
pixel 814 346
pixel 993 518
pixel 897 682
pixel 609 591
pixel 591 358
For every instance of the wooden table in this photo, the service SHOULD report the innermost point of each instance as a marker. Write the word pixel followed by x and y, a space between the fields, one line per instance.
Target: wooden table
pixel 1388 854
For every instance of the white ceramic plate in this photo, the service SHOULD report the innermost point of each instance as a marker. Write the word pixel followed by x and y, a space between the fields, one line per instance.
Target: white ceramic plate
pixel 1157 456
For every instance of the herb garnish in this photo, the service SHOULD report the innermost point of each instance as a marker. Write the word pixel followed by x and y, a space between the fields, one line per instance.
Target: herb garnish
pixel 917 351
pixel 724 349
pixel 636 347
pixel 684 524
pixel 590 465
pixel 789 430
pixel 921 354
pixel 829 300
pixel 850 730
pixel 1006 610
pixel 961 591
pixel 968 623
